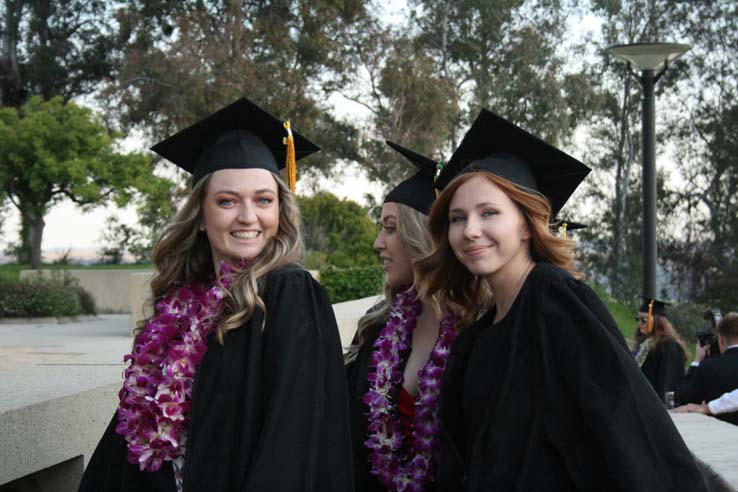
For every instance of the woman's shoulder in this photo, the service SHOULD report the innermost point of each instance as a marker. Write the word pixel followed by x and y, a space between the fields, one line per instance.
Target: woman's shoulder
pixel 292 281
pixel 550 279
pixel 567 301
pixel 291 272
pixel 548 272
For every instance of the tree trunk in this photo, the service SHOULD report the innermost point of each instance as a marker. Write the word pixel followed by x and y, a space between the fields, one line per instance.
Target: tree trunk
pixel 11 91
pixel 32 230
pixel 622 182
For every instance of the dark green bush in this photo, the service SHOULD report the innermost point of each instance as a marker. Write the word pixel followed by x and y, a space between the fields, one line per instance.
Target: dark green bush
pixel 86 301
pixel 41 296
pixel 337 232
pixel 346 284
pixel 686 317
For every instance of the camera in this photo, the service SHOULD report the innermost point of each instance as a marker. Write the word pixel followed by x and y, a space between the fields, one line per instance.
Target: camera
pixel 708 334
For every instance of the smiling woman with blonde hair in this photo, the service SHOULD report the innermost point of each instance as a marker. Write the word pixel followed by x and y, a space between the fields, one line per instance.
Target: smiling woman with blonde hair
pixel 235 382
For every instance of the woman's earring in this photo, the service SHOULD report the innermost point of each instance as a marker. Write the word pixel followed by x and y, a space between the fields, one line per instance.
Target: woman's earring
pixel 202 227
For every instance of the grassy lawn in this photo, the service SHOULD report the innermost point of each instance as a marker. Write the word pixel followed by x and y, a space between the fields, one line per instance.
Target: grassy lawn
pixel 12 271
pixel 623 314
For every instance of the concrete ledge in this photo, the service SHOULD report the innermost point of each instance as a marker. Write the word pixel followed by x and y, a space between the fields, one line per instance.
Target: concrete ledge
pixel 139 291
pixel 64 477
pixel 110 288
pixel 348 314
pixel 46 320
pixel 45 434
pixel 711 440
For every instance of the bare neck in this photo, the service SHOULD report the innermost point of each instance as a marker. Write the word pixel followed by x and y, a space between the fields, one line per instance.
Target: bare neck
pixel 428 315
pixel 506 284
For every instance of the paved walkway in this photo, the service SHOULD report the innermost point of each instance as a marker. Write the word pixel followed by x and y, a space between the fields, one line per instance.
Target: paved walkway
pixel 40 362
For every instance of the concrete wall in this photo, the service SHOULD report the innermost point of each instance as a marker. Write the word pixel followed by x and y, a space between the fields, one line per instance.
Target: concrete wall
pixel 137 295
pixel 111 289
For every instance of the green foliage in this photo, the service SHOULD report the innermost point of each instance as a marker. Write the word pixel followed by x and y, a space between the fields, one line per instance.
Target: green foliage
pixel 55 48
pixel 706 148
pixel 184 60
pixel 119 238
pixel 51 151
pixel 86 301
pixel 11 271
pixel 337 232
pixel 622 313
pixel 41 296
pixel 409 101
pixel 347 284
pixel 508 56
pixel 686 318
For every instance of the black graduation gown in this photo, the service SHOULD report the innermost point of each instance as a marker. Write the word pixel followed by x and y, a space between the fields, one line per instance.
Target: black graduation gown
pixel 269 410
pixel 572 410
pixel 664 367
pixel 357 372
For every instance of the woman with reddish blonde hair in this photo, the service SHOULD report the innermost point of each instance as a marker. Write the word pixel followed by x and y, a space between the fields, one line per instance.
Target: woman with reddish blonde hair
pixel 541 392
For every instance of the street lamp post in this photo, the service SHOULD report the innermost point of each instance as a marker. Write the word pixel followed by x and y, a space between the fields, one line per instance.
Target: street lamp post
pixel 651 60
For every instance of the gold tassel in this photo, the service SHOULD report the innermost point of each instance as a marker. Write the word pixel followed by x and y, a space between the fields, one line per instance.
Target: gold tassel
pixel 650 317
pixel 562 229
pixel 291 164
pixel 439 168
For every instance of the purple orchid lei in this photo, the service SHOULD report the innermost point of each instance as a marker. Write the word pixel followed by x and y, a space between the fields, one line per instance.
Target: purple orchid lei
pixel 397 472
pixel 153 414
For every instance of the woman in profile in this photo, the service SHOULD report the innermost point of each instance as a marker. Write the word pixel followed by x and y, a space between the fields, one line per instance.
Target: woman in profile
pixel 397 358
pixel 235 382
pixel 541 393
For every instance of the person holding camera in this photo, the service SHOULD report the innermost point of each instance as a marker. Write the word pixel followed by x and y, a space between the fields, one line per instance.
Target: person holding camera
pixel 708 378
pixel 660 354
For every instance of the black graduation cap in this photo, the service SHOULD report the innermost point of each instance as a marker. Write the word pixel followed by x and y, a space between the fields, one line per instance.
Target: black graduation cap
pixel 566 225
pixel 240 136
pixel 659 307
pixel 417 191
pixel 498 146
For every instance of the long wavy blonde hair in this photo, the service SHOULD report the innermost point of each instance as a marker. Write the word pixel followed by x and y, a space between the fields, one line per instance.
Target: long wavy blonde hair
pixel 413 235
pixel 183 255
pixel 441 274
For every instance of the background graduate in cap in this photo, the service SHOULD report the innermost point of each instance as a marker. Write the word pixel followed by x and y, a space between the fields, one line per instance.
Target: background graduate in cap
pixel 397 358
pixel 540 393
pixel 236 381
pixel 660 350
